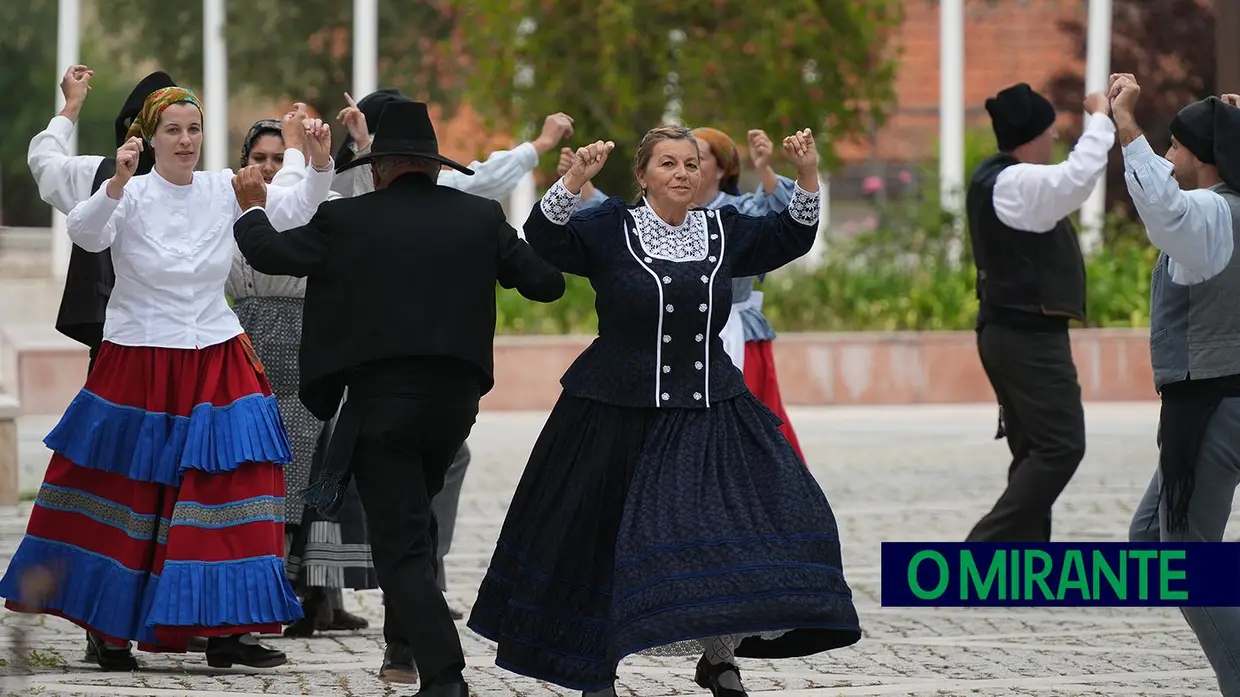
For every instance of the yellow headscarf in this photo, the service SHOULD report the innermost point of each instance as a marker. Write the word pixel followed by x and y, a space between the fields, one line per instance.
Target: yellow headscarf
pixel 724 150
pixel 146 121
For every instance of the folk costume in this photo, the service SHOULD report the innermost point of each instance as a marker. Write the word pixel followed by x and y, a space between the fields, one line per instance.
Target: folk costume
pixel 66 180
pixel 747 335
pixel 162 507
pixel 322 556
pixel 1030 283
pixel 1195 352
pixel 413 393
pixel 495 178
pixel 691 515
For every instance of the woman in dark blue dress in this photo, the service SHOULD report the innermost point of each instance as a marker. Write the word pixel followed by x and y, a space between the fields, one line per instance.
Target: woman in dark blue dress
pixel 661 504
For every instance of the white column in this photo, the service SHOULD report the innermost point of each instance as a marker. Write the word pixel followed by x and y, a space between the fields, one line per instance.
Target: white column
pixel 951 104
pixel 215 87
pixel 1097 72
pixel 68 39
pixel 521 201
pixel 365 47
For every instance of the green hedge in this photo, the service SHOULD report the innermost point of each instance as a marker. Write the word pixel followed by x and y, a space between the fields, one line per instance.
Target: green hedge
pixel 847 295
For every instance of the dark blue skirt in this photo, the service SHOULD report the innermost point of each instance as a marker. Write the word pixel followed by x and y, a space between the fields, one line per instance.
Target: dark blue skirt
pixel 638 528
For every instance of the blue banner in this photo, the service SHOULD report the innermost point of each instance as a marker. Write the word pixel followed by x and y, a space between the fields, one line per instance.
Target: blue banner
pixel 1067 574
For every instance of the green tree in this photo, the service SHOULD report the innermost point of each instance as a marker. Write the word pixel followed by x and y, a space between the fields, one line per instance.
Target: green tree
pixel 300 50
pixel 779 66
pixel 28 53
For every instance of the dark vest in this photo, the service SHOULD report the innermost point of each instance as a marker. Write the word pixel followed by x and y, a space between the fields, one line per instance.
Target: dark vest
pixel 88 283
pixel 1025 280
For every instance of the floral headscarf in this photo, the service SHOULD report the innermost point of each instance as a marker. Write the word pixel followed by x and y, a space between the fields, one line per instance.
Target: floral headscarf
pixel 155 104
pixel 261 127
pixel 724 150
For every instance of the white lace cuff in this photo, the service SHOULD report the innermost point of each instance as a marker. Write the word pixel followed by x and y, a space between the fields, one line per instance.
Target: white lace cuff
pixel 805 206
pixel 559 203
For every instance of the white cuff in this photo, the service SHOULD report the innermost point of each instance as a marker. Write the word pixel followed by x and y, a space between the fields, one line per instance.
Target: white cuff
pixel 559 203
pixel 805 206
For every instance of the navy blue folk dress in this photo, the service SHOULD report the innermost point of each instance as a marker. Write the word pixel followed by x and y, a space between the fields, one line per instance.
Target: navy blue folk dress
pixel 661 503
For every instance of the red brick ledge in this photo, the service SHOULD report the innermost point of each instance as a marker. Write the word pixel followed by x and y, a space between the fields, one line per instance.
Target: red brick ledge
pixel 814 369
pixel 853 368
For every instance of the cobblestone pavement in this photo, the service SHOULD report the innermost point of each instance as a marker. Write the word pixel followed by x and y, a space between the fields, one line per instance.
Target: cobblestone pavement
pixel 917 473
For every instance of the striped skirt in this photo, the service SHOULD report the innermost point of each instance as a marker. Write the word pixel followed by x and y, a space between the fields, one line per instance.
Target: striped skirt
pixel 161 514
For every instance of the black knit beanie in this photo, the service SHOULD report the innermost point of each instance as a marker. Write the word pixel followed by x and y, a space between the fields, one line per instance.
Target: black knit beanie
pixel 1018 115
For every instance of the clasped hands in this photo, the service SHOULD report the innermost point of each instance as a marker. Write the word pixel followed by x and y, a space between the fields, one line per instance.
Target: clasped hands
pixel 248 184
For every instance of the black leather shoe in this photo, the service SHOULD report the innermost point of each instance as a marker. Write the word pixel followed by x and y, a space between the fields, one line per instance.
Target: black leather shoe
pixel 452 689
pixel 398 666
pixel 109 658
pixel 707 677
pixel 242 649
pixel 339 620
pixel 197 645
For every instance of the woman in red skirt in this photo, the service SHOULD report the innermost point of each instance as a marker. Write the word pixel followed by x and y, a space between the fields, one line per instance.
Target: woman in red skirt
pixel 161 514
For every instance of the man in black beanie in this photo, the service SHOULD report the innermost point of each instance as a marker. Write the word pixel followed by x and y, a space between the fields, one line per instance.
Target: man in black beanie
pixel 1030 283
pixel 1189 201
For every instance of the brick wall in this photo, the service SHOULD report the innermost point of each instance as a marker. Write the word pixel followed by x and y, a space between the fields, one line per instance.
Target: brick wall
pixel 1006 41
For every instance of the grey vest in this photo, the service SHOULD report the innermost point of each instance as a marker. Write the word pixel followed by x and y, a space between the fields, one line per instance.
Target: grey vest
pixel 1195 330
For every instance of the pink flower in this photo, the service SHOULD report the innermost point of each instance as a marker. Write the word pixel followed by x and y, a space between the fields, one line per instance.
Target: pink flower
pixel 906 177
pixel 872 184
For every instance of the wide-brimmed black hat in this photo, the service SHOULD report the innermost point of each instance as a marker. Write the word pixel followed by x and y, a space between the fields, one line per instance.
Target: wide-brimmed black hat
pixel 405 129
pixel 133 103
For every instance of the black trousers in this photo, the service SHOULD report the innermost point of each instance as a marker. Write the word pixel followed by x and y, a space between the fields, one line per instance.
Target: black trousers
pixel 1035 380
pixel 415 414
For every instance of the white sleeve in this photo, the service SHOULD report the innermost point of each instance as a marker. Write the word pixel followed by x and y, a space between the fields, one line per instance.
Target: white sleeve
pixel 1034 198
pixel 64 180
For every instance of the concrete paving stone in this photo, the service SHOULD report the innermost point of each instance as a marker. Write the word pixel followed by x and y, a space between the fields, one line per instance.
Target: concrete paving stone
pixel 891 473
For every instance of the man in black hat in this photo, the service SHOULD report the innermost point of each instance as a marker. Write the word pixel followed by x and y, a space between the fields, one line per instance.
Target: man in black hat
pixel 415 368
pixel 1189 201
pixel 65 181
pixel 1030 283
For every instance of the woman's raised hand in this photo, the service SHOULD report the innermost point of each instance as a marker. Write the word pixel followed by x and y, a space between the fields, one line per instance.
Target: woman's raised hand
pixel 800 149
pixel 587 162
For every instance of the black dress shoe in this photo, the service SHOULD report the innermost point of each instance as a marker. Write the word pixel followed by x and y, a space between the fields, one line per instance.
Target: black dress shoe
pixel 452 689
pixel 339 620
pixel 398 666
pixel 242 649
pixel 708 674
pixel 107 657
pixel 197 644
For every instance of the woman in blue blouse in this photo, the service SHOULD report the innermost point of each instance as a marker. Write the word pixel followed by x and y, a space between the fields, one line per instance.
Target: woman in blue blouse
pixel 661 504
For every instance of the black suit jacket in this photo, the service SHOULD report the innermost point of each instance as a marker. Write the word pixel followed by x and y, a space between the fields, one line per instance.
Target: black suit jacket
pixel 88 283
pixel 409 270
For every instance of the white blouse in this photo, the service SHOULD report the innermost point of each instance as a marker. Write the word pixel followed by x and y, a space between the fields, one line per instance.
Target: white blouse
pixel 172 249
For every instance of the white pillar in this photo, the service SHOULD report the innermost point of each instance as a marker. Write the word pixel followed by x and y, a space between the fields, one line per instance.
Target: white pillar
pixel 68 39
pixel 365 47
pixel 215 87
pixel 522 201
pixel 951 118
pixel 951 104
pixel 1097 72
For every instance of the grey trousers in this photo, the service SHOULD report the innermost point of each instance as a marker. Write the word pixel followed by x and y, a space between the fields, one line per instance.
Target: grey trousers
pixel 1217 475
pixel 444 506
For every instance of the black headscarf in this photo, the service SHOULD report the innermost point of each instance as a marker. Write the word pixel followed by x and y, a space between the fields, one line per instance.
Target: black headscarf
pixel 1018 114
pixel 371 107
pixel 133 106
pixel 1210 130
pixel 261 127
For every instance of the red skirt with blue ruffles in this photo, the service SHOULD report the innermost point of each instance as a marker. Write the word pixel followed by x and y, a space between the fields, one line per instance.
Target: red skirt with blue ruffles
pixel 161 516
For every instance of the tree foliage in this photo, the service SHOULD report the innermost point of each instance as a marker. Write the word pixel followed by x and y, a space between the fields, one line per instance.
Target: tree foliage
pixel 297 50
pixel 779 66
pixel 28 54
pixel 1169 46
